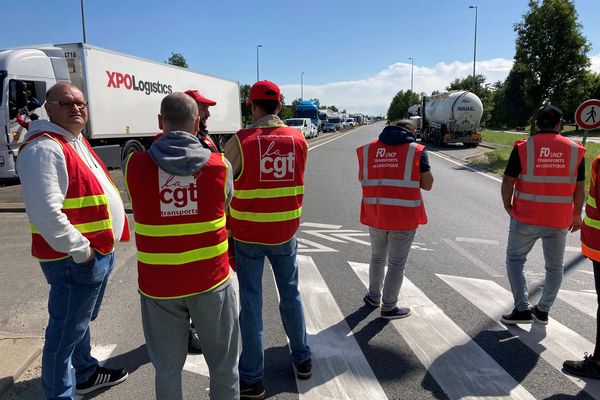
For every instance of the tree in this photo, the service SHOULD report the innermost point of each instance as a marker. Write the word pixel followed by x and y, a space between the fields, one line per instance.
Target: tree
pixel 177 59
pixel 400 103
pixel 551 51
pixel 246 111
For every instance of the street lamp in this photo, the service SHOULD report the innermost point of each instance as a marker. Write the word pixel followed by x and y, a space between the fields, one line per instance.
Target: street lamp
pixel 83 21
pixel 302 86
pixel 257 76
pixel 474 47
pixel 412 62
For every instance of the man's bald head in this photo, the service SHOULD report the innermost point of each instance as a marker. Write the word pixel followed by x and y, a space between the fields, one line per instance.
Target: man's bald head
pixel 178 112
pixel 60 87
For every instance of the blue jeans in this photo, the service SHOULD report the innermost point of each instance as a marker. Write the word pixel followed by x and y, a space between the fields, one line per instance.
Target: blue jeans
pixel 76 292
pixel 521 238
pixel 250 259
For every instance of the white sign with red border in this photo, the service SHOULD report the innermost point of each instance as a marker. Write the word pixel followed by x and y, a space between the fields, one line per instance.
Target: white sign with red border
pixel 587 115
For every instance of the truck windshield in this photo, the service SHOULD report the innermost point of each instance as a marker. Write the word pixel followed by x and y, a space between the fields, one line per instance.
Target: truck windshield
pixel 2 76
pixel 335 120
pixel 306 113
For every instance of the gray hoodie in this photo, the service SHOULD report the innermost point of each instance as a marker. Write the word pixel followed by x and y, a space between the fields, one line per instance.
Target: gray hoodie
pixel 180 153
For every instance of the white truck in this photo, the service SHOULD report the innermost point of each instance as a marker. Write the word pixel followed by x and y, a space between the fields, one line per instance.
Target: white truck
pixel 124 94
pixel 451 117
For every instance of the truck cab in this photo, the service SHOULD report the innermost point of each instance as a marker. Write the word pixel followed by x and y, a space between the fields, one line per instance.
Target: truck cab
pixel 25 76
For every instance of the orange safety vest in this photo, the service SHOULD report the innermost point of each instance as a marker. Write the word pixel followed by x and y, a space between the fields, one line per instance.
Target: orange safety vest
pixel 85 204
pixel 590 230
pixel 267 200
pixel 543 193
pixel 180 229
pixel 390 178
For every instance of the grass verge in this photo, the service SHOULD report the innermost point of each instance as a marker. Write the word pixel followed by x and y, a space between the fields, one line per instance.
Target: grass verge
pixel 497 159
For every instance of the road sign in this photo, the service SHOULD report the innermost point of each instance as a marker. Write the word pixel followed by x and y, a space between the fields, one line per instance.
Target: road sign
pixel 587 115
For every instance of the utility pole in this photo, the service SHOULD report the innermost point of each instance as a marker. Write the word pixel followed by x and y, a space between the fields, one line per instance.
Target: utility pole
pixel 412 62
pixel 302 86
pixel 474 47
pixel 257 75
pixel 83 21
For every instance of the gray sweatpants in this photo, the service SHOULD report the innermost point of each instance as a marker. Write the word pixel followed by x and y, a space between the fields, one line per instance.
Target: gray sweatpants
pixel 393 246
pixel 166 325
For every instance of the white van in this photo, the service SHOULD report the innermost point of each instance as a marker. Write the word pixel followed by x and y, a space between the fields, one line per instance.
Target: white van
pixel 302 124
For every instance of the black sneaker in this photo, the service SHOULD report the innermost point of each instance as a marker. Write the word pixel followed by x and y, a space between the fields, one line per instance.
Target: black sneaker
pixel 370 302
pixel 396 313
pixel 517 317
pixel 254 391
pixel 102 377
pixel 304 369
pixel 194 346
pixel 539 315
pixel 586 368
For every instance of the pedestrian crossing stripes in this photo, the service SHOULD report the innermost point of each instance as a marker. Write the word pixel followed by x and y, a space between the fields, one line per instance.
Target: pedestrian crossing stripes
pixel 461 368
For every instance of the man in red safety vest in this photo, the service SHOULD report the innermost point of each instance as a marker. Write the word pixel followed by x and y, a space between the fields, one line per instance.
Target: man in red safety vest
pixel 392 171
pixel 179 191
pixel 203 103
pixel 268 161
pixel 589 367
pixel 76 218
pixel 543 190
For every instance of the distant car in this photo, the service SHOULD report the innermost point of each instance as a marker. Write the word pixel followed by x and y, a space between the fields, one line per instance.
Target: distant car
pixel 350 122
pixel 329 127
pixel 302 124
pixel 337 121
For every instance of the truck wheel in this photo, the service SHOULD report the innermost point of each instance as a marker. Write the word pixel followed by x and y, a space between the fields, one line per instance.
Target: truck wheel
pixel 221 140
pixel 471 144
pixel 130 146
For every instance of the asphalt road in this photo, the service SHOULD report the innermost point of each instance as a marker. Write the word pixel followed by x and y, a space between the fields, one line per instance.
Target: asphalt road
pixel 451 347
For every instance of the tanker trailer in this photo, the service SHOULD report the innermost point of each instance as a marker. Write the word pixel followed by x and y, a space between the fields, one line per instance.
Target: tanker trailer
pixel 452 117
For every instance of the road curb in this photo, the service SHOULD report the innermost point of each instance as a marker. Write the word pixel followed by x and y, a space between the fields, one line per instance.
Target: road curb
pixel 18 352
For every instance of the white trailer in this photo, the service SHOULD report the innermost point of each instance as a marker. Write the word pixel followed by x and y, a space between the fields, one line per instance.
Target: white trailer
pixel 124 94
pixel 452 117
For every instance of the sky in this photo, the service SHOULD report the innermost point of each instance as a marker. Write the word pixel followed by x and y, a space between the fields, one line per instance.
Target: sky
pixel 354 54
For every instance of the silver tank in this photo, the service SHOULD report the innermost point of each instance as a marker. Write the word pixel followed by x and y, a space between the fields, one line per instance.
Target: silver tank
pixel 460 110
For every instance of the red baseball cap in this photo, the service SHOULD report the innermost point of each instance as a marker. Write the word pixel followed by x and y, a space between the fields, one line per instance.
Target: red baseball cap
pixel 265 90
pixel 200 98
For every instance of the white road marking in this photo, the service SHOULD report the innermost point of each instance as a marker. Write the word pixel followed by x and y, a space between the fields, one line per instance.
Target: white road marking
pixel 555 342
pixel 322 226
pixel 329 234
pixel 466 254
pixel 351 237
pixel 494 178
pixel 476 240
pixel 585 302
pixel 573 249
pixel 308 246
pixel 338 361
pixel 328 141
pixel 585 272
pixel 461 368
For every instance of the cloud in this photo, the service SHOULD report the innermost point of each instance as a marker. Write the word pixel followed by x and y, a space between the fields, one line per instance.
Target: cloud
pixel 373 95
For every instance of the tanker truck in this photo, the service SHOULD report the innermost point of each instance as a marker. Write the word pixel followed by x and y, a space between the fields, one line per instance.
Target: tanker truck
pixel 451 117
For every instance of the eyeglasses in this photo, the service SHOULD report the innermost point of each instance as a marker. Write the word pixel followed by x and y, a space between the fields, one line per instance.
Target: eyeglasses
pixel 69 104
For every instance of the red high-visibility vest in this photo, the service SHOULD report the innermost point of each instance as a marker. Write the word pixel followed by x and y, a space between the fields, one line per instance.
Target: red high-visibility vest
pixel 590 230
pixel 179 227
pixel 543 193
pixel 390 178
pixel 267 200
pixel 85 204
pixel 210 144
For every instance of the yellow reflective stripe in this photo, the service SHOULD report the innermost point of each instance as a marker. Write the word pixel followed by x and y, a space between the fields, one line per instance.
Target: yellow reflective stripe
pixel 186 257
pixel 266 217
pixel 86 201
pixel 179 229
pixel 268 193
pixel 591 201
pixel 88 227
pixel 594 223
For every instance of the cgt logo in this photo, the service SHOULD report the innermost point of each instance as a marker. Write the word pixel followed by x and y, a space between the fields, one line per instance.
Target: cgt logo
pixel 381 153
pixel 117 79
pixel 277 158
pixel 178 194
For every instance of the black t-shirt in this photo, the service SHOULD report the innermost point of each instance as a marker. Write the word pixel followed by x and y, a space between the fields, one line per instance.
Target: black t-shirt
pixel 424 166
pixel 513 168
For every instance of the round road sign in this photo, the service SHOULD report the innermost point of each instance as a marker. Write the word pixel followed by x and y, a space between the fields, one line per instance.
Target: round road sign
pixel 587 115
